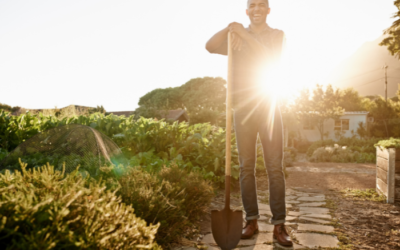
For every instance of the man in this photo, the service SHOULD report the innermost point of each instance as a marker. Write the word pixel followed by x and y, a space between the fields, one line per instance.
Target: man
pixel 256 50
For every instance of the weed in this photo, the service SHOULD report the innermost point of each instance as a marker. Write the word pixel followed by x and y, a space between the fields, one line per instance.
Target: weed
pixel 367 194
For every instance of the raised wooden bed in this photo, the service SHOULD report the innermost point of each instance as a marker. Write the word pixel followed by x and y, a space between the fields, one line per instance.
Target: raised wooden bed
pixel 388 173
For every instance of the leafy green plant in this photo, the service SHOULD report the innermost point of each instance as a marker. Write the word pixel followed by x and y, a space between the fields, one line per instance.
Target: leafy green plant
pixel 3 154
pixel 341 154
pixel 174 198
pixel 45 209
pixel 391 143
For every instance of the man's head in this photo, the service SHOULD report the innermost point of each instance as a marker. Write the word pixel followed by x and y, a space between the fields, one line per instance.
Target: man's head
pixel 257 10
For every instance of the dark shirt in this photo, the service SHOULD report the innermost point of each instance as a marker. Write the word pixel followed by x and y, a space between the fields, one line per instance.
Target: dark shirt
pixel 249 66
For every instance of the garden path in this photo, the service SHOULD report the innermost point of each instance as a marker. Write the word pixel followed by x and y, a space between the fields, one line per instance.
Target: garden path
pixel 309 222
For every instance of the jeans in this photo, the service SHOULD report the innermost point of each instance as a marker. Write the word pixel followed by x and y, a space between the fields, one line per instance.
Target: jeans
pixel 263 119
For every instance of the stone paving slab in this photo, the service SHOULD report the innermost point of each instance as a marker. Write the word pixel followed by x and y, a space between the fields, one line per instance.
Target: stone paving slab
pixel 314 220
pixel 302 204
pixel 264 227
pixel 259 238
pixel 315 228
pixel 316 240
pixel 311 199
pixel 292 202
pixel 312 204
pixel 257 247
pixel 319 216
pixel 267 212
pixel 316 210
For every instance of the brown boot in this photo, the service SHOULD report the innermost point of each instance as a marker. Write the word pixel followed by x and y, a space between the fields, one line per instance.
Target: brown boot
pixel 250 229
pixel 281 236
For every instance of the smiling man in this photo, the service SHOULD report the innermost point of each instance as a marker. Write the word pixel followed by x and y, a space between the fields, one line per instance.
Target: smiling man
pixel 256 50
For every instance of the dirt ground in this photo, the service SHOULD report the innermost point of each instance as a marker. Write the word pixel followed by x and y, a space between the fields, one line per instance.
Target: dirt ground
pixel 325 181
pixel 367 224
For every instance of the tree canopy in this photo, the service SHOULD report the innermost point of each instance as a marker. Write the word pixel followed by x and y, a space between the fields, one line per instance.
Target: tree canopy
pixel 393 40
pixel 318 108
pixel 202 98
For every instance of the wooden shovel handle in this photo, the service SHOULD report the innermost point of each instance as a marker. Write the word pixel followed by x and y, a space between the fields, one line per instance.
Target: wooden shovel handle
pixel 229 109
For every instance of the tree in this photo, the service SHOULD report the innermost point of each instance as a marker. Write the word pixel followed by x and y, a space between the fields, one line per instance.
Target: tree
pixel 202 98
pixel 393 40
pixel 350 100
pixel 322 106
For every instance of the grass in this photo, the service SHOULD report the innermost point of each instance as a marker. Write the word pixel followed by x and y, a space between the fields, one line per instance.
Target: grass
pixel 364 195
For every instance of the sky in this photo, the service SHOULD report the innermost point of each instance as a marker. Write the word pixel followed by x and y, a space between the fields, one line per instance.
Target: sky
pixel 110 53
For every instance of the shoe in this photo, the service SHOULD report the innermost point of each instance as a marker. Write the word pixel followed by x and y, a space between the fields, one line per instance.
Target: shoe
pixel 281 236
pixel 250 229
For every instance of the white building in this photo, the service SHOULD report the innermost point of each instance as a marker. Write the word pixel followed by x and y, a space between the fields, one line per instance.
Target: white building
pixel 346 124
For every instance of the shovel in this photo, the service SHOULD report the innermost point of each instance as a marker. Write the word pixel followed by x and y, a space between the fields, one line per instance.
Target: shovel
pixel 226 224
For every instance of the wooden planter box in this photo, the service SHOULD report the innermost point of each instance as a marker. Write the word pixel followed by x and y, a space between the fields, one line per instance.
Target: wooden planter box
pixel 388 173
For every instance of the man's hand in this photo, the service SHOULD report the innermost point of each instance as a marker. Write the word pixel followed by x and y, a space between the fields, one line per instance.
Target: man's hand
pixel 238 34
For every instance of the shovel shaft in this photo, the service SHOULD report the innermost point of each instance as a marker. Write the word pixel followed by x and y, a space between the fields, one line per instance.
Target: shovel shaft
pixel 228 124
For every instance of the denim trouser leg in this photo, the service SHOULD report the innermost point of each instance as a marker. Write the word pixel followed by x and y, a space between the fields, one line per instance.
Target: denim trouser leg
pixel 246 138
pixel 268 124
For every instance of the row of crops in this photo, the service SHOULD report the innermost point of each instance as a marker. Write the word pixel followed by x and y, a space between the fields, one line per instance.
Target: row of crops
pixel 164 185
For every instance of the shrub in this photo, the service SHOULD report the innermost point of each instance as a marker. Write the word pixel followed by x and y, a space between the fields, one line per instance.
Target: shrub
pixel 318 144
pixel 3 154
pixel 340 154
pixel 302 146
pixel 173 197
pixel 391 143
pixel 44 209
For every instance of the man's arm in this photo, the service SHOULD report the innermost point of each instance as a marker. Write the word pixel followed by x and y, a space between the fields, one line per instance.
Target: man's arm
pixel 254 44
pixel 217 42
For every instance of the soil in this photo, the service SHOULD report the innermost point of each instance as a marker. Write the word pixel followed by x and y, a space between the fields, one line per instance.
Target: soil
pixel 323 180
pixel 368 224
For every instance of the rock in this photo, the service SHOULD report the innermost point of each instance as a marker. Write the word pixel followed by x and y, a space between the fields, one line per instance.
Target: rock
pixel 314 220
pixel 316 240
pixel 316 210
pixel 312 204
pixel 315 228
pixel 311 199
pixel 292 202
pixel 290 197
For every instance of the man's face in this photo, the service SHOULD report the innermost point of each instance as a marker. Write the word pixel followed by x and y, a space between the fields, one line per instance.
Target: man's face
pixel 257 10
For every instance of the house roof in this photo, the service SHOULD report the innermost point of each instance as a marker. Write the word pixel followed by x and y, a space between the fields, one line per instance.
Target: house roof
pixel 174 114
pixel 119 113
pixel 356 113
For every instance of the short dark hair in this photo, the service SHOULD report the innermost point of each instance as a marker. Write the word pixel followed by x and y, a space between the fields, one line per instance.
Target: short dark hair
pixel 264 0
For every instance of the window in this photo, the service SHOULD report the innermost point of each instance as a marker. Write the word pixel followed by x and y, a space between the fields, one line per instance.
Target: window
pixel 308 124
pixel 342 124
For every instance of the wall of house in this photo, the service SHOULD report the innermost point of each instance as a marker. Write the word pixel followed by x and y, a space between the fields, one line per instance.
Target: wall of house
pixel 329 125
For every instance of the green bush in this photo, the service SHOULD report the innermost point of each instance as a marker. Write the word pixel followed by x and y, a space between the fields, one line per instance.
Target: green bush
pixel 302 146
pixel 319 144
pixel 340 154
pixel 391 143
pixel 173 197
pixel 3 154
pixel 354 144
pixel 44 209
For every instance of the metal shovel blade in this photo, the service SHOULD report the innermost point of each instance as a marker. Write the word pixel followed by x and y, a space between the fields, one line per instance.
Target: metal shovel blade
pixel 226 226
